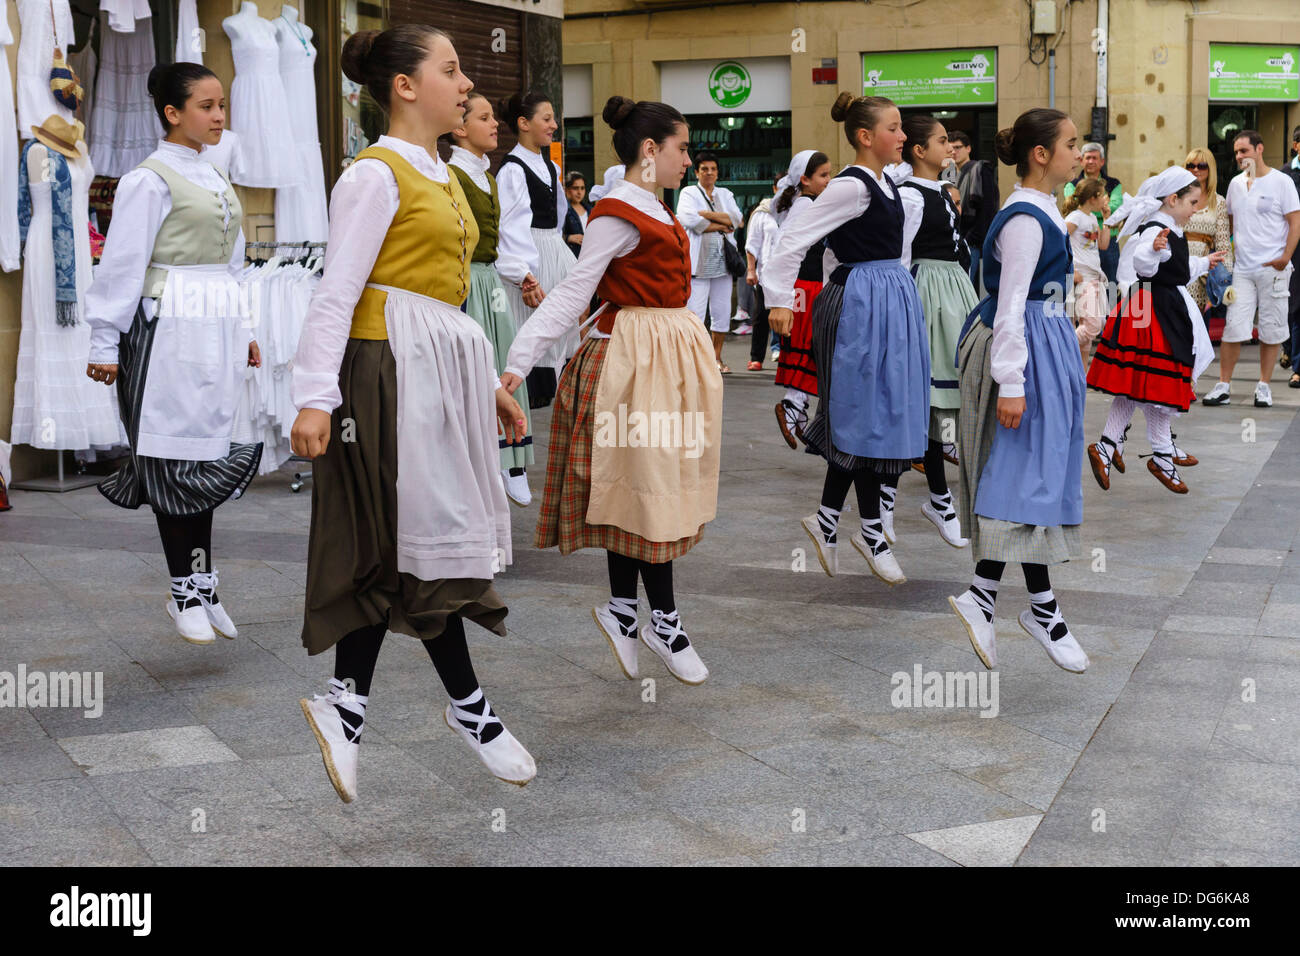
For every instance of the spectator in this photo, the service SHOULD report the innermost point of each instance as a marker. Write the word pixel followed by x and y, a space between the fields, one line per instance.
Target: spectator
pixel 977 182
pixel 760 240
pixel 1293 170
pixel 1264 215
pixel 1207 231
pixel 710 215
pixel 1094 163
pixel 575 220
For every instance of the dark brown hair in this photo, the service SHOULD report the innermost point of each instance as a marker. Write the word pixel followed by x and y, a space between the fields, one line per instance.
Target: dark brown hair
pixel 635 122
pixel 374 57
pixel 1033 128
pixel 858 112
pixel 170 83
pixel 1249 134
pixel 918 128
pixel 815 162
pixel 520 106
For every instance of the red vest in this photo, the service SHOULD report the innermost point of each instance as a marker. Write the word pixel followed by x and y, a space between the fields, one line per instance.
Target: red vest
pixel 656 275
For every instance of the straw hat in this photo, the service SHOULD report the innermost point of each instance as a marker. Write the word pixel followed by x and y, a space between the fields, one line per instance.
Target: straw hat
pixel 60 135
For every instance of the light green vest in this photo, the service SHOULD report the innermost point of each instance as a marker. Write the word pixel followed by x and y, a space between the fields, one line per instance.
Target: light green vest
pixel 192 234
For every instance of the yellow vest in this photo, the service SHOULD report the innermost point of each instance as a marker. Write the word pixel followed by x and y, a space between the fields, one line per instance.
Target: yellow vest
pixel 432 230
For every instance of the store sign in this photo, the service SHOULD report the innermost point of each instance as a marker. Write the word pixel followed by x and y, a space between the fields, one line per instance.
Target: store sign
pixel 749 85
pixel 1254 72
pixel 933 77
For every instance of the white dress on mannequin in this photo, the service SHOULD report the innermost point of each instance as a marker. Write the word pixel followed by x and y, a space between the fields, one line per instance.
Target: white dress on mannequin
pixel 126 126
pixel 259 111
pixel 36 57
pixel 56 405
pixel 301 213
pixel 10 251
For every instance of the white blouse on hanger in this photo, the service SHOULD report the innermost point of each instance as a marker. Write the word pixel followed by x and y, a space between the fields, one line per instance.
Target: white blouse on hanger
pixel 122 14
pixel 44 25
pixel 515 242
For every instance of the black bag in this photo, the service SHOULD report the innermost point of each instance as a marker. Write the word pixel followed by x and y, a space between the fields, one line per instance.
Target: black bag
pixel 735 262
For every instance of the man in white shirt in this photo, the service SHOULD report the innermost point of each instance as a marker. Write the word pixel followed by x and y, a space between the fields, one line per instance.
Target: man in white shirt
pixel 710 216
pixel 1264 215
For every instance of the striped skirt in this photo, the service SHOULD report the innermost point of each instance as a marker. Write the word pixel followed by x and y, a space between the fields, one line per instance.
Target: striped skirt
pixel 171 486
pixel 562 519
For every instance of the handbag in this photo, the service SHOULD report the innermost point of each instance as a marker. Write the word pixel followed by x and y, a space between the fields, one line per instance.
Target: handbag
pixel 63 80
pixel 735 263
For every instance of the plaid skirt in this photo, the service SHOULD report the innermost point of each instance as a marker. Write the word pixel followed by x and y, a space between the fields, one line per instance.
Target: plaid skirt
pixel 562 520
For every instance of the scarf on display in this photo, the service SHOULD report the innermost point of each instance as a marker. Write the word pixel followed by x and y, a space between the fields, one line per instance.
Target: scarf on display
pixel 65 256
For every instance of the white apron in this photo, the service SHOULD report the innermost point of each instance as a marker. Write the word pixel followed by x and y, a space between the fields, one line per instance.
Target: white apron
pixel 196 364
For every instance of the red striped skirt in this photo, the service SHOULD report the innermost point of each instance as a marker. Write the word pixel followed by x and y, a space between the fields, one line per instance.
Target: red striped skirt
pixel 562 519
pixel 796 368
pixel 1133 357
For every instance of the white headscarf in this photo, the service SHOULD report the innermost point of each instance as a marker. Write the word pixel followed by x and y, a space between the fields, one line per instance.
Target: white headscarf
pixel 1136 210
pixel 611 175
pixel 898 172
pixel 798 167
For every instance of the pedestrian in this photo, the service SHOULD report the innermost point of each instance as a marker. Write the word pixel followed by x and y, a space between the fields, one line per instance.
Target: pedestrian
pixel 1155 345
pixel 1207 231
pixel 869 342
pixel 1094 167
pixel 533 210
pixel 760 240
pixel 177 354
pixel 575 216
pixel 1264 215
pixel 1022 386
pixel 1088 240
pixel 710 215
pixel 930 241
pixel 804 181
pixel 1293 297
pixel 397 400
pixel 643 498
pixel 488 304
pixel 978 182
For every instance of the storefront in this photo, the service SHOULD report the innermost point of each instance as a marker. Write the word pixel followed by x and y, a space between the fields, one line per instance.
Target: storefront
pixel 580 125
pixel 1249 86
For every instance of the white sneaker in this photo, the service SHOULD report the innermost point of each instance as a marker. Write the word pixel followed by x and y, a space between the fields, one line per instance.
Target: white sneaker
pixel 776 355
pixel 744 329
pixel 192 623
pixel 205 585
pixel 827 554
pixel 517 489
pixel 949 528
pixel 1263 395
pixel 1065 653
pixel 624 648
pixel 1217 395
pixel 982 634
pixel 685 664
pixel 504 756
pixel 883 565
pixel 339 753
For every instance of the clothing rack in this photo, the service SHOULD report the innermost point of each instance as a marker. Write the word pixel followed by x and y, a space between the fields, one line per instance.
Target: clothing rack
pixel 274 247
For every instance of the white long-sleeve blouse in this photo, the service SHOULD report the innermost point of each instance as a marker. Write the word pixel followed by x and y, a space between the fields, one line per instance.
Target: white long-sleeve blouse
pixel 515 244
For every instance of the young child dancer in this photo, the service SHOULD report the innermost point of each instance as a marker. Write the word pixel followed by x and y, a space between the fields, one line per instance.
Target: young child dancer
pixel 533 256
pixel 1153 364
pixel 930 252
pixel 395 390
pixel 176 231
pixel 1087 242
pixel 487 303
pixel 804 181
pixel 644 499
pixel 1022 392
pixel 870 343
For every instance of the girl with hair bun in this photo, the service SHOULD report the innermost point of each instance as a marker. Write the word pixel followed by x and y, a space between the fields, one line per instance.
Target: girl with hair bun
pixel 397 397
pixel 642 494
pixel 178 352
pixel 868 334
pixel 533 254
pixel 1022 397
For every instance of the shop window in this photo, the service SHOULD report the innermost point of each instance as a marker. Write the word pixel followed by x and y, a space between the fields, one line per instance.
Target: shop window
pixel 1226 121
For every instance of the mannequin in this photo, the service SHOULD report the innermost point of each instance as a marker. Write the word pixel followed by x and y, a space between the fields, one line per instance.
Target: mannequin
pixel 268 155
pixel 238 25
pixel 301 212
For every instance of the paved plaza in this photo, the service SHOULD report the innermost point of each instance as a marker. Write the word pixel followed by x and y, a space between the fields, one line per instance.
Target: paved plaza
pixel 1178 746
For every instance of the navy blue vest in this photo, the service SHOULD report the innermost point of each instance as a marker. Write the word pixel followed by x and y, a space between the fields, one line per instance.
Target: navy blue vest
pixel 874 235
pixel 541 196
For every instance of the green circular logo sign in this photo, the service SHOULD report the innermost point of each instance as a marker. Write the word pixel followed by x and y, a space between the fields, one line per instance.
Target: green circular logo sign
pixel 729 84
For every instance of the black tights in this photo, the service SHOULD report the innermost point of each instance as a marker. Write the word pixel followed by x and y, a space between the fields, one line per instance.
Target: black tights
pixel 836 490
pixel 657 578
pixel 187 542
pixel 934 475
pixel 1037 580
pixel 356 654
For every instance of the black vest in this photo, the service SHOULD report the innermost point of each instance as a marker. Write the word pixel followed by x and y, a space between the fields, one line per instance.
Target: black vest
pixel 1166 298
pixel 876 234
pixel 938 237
pixel 541 197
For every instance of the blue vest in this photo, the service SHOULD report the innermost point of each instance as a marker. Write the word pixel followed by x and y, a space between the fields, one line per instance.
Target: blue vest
pixel 876 234
pixel 1053 275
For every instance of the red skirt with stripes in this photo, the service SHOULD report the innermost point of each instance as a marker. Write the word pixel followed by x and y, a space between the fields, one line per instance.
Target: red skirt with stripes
pixel 796 368
pixel 1134 359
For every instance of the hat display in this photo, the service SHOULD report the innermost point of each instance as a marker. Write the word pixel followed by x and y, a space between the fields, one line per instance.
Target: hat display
pixel 60 135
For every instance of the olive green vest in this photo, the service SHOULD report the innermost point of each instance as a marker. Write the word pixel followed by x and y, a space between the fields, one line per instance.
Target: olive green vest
pixel 192 234
pixel 487 213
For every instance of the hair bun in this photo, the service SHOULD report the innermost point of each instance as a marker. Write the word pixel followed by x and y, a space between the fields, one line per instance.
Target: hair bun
pixel 154 77
pixel 1004 144
pixel 617 110
pixel 355 52
pixel 840 108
